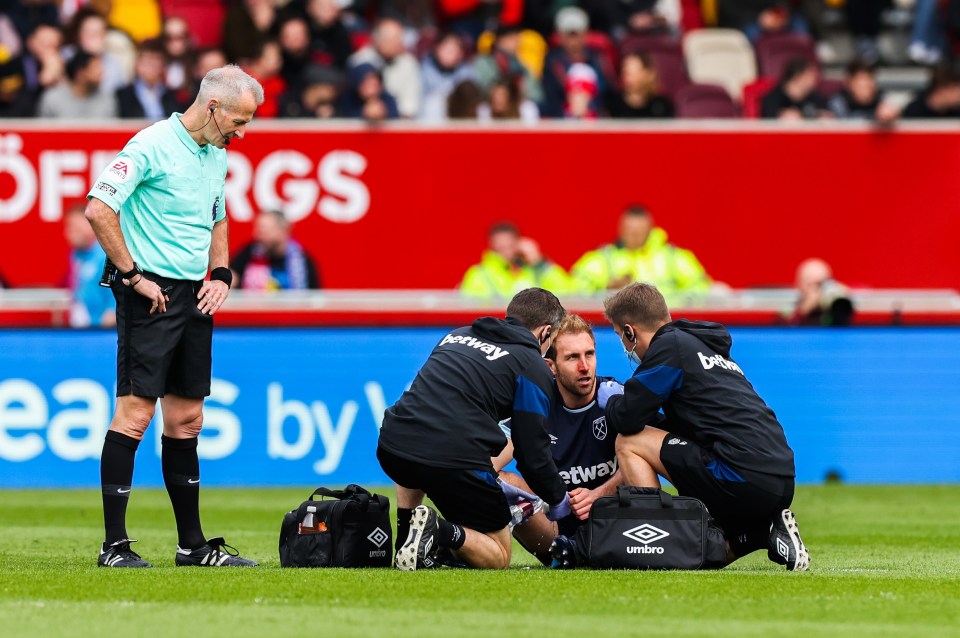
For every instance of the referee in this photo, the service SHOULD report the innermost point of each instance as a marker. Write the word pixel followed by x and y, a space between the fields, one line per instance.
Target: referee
pixel 158 211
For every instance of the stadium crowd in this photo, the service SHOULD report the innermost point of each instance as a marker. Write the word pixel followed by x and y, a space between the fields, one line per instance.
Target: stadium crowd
pixel 434 60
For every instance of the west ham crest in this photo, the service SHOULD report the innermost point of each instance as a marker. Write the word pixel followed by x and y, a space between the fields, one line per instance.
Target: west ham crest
pixel 600 428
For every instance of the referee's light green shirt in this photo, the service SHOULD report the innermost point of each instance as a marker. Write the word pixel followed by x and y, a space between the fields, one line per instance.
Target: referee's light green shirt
pixel 169 192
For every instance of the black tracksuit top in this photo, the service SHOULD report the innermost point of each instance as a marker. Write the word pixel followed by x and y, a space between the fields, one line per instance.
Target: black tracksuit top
pixel 705 397
pixel 475 377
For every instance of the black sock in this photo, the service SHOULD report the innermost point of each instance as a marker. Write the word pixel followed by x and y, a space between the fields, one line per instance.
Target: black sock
pixel 403 527
pixel 749 540
pixel 181 475
pixel 116 475
pixel 450 534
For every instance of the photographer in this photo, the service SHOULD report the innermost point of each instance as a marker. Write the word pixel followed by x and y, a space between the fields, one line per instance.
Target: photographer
pixel 823 301
pixel 510 264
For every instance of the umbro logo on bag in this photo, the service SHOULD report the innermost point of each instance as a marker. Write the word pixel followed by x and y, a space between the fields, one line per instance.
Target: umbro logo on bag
pixel 645 534
pixel 378 537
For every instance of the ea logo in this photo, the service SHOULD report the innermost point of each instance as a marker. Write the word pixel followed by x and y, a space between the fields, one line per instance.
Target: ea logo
pixel 120 170
pixel 600 428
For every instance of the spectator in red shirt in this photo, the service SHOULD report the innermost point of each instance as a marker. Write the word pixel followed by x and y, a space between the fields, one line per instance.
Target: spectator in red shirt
pixel 581 86
pixel 471 17
pixel 265 67
pixel 572 25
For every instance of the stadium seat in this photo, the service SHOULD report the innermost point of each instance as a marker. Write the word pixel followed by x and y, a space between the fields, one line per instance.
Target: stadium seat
pixel 829 88
pixel 775 51
pixel 691 15
pixel 720 56
pixel 667 56
pixel 704 101
pixel 205 18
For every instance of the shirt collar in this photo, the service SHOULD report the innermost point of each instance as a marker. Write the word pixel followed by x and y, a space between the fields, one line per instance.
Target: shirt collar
pixel 183 135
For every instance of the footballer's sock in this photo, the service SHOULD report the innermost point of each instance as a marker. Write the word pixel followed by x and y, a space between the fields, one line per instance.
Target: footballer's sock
pixel 181 475
pixel 750 540
pixel 403 527
pixel 450 534
pixel 116 475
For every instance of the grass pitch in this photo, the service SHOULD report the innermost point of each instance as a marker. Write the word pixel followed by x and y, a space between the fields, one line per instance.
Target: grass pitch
pixel 886 562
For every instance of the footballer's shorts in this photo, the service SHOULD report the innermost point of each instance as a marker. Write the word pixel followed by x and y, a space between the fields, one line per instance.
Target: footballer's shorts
pixel 471 498
pixel 742 502
pixel 166 352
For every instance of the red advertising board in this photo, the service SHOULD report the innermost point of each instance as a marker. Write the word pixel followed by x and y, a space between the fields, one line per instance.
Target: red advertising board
pixel 409 208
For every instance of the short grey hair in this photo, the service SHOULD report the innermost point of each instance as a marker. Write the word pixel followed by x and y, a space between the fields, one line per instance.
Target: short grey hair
pixel 277 216
pixel 227 84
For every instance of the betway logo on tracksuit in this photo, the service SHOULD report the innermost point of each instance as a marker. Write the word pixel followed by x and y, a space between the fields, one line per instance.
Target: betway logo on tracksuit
pixel 579 474
pixel 717 360
pixel 493 352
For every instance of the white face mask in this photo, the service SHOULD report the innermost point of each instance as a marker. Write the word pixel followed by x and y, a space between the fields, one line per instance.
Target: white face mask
pixel 632 355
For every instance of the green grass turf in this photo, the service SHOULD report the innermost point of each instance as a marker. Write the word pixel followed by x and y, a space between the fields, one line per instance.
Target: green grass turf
pixel 886 562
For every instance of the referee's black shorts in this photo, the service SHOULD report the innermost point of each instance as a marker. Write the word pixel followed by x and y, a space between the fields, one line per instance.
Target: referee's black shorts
pixel 740 501
pixel 166 352
pixel 471 498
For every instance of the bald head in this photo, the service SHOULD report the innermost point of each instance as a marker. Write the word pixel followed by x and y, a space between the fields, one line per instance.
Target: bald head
pixel 812 272
pixel 388 38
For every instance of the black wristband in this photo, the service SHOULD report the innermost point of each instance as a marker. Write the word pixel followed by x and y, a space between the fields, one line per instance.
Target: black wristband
pixel 132 272
pixel 222 274
pixel 129 275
